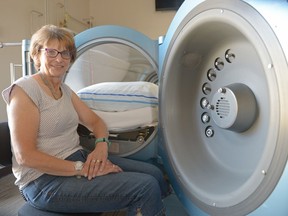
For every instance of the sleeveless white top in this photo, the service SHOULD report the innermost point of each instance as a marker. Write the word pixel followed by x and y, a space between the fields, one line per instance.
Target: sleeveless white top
pixel 57 134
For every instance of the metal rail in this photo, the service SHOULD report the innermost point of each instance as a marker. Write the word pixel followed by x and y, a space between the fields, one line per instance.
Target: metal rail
pixel 10 44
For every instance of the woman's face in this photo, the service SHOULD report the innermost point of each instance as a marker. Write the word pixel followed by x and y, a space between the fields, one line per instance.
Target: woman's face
pixel 54 59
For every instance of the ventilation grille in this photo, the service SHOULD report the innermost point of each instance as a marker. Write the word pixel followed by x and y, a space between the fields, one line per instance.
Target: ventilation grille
pixel 223 107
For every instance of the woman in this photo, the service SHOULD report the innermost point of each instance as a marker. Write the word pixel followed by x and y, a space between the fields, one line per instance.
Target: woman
pixel 52 170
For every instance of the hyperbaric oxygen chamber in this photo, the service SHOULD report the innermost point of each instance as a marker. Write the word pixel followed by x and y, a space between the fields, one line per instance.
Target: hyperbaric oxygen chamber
pixel 222 131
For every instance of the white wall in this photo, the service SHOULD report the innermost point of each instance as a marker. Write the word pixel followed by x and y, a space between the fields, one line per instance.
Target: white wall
pixel 137 14
pixel 19 22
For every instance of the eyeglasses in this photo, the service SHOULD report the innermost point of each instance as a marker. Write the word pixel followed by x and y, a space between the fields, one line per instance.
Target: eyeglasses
pixel 65 54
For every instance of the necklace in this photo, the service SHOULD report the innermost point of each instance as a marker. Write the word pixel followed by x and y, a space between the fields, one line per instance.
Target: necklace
pixel 49 85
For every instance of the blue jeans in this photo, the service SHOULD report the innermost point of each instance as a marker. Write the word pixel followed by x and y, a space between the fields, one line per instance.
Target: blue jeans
pixel 139 188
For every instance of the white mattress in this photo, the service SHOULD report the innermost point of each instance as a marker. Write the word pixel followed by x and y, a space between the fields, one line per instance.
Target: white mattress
pixel 120 96
pixel 129 119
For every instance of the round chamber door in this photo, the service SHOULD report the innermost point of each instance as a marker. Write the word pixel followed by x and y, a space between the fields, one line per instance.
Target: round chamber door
pixel 223 99
pixel 115 74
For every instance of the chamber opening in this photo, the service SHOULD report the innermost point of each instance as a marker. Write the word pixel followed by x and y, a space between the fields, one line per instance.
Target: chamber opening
pixel 119 82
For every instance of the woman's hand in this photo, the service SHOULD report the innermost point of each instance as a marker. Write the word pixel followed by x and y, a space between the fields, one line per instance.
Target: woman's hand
pixel 95 168
pixel 109 168
pixel 97 163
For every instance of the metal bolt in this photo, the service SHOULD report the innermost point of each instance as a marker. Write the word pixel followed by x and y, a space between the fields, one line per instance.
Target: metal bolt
pixel 210 107
pixel 206 88
pixel 229 56
pixel 211 74
pixel 140 139
pixel 219 64
pixel 205 118
pixel 209 132
pixel 204 103
pixel 222 90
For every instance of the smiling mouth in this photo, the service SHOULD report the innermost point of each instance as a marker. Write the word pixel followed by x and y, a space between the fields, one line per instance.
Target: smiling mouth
pixel 58 66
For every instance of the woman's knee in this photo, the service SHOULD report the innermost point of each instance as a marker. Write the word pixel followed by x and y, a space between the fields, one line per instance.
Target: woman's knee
pixel 150 201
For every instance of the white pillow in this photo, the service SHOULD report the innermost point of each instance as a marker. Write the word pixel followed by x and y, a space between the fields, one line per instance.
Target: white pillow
pixel 120 96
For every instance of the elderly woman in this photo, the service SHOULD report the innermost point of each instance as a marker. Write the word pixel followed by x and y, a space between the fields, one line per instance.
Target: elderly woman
pixel 52 170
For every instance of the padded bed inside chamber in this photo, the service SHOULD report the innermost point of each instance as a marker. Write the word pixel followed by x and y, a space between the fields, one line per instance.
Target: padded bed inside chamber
pixel 123 105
